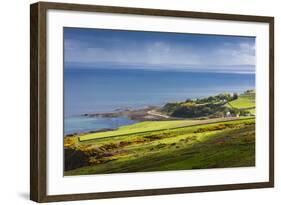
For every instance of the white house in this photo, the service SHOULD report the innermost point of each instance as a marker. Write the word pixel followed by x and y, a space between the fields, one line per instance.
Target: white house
pixel 228 114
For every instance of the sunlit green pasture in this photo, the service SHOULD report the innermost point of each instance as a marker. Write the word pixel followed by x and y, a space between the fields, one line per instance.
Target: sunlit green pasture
pixel 149 126
pixel 209 145
pixel 244 101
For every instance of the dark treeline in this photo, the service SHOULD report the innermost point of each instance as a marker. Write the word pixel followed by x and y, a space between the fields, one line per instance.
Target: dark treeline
pixel 212 106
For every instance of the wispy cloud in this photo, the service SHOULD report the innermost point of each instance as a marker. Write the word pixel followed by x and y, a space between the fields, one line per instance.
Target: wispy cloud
pixel 160 52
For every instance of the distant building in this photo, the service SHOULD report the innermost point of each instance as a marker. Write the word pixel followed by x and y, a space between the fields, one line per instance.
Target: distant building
pixel 227 114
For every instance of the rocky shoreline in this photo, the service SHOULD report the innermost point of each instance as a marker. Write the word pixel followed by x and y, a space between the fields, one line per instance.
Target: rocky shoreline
pixel 143 114
pixel 150 113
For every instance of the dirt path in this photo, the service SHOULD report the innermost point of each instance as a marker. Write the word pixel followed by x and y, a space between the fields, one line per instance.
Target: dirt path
pixel 157 114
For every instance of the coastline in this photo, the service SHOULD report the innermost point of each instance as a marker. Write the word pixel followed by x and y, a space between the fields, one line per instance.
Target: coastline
pixel 221 106
pixel 138 114
pixel 222 126
pixel 150 113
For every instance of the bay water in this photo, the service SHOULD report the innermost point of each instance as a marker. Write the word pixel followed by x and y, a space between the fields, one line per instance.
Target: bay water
pixel 88 90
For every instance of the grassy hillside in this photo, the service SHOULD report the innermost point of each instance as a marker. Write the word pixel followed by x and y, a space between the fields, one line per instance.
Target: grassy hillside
pixel 217 133
pixel 213 106
pixel 167 145
pixel 245 101
pixel 149 126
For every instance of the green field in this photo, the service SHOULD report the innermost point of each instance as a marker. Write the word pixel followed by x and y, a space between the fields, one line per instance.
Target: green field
pixel 167 145
pixel 245 101
pixel 149 126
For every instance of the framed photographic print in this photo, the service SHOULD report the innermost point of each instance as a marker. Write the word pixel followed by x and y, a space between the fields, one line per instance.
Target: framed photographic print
pixel 134 102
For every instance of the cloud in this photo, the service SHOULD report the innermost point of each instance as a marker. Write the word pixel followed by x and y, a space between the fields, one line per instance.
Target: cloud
pixel 152 53
pixel 160 53
pixel 240 54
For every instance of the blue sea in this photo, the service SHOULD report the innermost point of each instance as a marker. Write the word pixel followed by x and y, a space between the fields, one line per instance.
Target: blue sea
pixel 105 90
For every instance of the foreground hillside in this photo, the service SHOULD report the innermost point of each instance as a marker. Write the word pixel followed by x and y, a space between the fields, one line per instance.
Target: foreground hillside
pixel 214 145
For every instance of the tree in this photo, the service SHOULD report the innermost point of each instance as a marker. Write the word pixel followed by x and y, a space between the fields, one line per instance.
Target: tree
pixel 235 96
pixel 188 100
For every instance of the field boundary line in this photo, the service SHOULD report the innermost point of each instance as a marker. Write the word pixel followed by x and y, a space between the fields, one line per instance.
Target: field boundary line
pixel 143 132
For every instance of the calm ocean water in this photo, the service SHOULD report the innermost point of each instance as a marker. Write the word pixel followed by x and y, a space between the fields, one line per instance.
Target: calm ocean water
pixel 105 90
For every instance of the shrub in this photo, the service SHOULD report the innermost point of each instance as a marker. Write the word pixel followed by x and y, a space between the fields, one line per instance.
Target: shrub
pixel 211 128
pixel 235 96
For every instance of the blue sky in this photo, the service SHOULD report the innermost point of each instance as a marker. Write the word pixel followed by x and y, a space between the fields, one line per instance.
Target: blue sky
pixel 97 48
